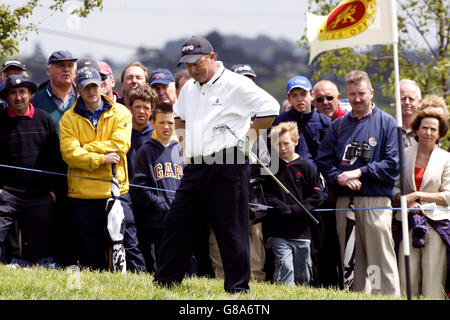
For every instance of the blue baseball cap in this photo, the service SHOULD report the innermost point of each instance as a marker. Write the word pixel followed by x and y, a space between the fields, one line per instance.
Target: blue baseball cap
pixel 61 55
pixel 299 82
pixel 86 76
pixel 160 75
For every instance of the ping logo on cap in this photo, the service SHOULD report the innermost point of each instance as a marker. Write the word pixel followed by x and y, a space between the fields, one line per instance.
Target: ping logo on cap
pixel 186 48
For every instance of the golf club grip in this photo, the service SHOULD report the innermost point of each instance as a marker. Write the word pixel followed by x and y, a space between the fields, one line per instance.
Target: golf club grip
pixel 114 170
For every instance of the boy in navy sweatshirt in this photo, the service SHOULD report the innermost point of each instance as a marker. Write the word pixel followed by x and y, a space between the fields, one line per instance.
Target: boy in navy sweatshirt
pixel 287 224
pixel 159 166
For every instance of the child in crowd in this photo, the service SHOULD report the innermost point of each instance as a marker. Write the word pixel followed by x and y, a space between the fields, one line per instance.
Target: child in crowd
pixel 158 165
pixel 287 224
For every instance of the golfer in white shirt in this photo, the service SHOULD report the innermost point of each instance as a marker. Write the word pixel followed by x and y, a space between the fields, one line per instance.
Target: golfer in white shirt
pixel 215 183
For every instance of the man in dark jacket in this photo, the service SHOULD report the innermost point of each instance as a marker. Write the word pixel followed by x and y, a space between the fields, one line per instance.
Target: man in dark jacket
pixel 312 125
pixel 359 158
pixel 28 139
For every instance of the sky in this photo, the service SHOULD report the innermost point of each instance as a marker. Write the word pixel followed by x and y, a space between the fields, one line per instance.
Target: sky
pixel 122 26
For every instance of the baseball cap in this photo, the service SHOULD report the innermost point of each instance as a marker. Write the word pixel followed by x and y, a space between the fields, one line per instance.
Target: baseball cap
pixel 86 62
pixel 299 82
pixel 13 63
pixel 244 69
pixel 87 75
pixel 104 68
pixel 61 55
pixel 193 49
pixel 17 81
pixel 160 75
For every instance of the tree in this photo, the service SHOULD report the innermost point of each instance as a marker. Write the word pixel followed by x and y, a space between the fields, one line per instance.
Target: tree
pixel 15 24
pixel 424 31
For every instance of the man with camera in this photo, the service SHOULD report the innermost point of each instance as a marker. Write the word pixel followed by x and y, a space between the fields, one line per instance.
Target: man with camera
pixel 359 160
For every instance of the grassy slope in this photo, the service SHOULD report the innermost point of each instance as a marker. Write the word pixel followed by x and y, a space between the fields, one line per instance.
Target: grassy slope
pixel 44 284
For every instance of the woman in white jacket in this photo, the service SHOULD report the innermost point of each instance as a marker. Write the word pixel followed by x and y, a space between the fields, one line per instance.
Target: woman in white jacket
pixel 427 168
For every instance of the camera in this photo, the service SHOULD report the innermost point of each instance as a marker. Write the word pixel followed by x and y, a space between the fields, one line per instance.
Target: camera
pixel 351 150
pixel 358 150
pixel 365 152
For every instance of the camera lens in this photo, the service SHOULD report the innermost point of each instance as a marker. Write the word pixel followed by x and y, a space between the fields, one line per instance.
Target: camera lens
pixel 365 152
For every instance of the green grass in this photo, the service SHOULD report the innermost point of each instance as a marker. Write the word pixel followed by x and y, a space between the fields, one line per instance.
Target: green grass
pixel 44 284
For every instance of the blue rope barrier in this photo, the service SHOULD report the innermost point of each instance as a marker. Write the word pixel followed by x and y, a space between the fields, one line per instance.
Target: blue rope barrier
pixel 166 190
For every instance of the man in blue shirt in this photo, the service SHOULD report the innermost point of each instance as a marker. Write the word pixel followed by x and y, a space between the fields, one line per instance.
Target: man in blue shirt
pixel 359 159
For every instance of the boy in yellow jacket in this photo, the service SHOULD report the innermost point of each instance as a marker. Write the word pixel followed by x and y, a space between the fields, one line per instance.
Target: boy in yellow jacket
pixel 94 134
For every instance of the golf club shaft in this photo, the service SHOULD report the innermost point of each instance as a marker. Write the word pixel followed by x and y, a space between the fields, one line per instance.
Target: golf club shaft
pixel 310 216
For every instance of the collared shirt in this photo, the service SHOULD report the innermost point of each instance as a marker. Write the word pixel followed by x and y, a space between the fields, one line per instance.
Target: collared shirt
pixel 409 138
pixel 226 99
pixel 29 114
pixel 366 115
pixel 92 116
pixel 62 105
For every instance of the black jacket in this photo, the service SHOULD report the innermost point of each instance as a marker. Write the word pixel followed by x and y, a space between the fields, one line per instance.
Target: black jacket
pixel 287 219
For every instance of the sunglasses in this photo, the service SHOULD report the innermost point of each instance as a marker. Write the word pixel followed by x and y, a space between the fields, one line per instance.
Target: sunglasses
pixel 321 99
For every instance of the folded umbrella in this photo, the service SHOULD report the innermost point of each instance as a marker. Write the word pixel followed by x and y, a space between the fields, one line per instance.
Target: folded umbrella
pixel 116 226
pixel 349 251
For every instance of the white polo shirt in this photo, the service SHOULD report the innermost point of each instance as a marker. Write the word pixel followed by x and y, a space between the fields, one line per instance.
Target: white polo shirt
pixel 227 99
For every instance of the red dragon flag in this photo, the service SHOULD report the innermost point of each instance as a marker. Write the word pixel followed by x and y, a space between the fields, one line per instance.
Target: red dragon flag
pixel 352 23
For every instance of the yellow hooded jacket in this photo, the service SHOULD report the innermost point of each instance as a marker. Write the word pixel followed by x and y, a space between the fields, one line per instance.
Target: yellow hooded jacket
pixel 83 148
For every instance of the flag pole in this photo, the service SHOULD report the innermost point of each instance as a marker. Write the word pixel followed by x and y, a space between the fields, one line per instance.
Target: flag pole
pixel 398 109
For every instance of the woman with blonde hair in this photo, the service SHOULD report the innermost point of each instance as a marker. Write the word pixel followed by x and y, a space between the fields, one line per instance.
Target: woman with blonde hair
pixel 428 198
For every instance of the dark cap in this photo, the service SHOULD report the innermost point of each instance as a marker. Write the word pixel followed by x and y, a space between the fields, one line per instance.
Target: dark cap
pixel 86 62
pixel 17 81
pixel 86 76
pixel 193 49
pixel 13 63
pixel 61 55
pixel 160 75
pixel 244 69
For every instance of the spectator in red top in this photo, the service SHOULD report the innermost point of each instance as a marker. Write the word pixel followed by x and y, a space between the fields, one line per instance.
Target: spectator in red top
pixel 327 98
pixel 108 81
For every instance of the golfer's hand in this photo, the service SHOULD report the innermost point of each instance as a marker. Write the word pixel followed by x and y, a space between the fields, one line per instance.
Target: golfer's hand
pixel 112 157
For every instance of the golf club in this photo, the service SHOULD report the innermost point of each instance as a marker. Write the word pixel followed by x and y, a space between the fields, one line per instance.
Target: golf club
pixel 241 145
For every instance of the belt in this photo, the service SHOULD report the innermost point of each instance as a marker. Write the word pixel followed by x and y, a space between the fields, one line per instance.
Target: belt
pixel 231 155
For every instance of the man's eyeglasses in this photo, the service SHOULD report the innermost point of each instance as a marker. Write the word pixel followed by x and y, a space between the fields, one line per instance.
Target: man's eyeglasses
pixel 104 76
pixel 321 99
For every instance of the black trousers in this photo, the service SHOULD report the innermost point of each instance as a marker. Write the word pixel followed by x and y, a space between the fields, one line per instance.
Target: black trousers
pixel 88 221
pixel 220 192
pixel 34 217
